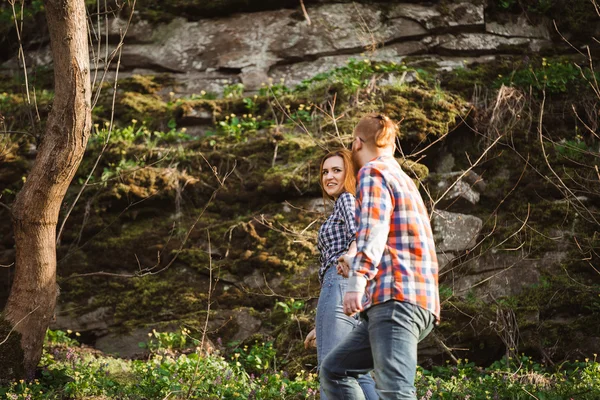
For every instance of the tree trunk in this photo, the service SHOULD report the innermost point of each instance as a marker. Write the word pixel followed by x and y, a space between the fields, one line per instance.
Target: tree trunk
pixel 30 305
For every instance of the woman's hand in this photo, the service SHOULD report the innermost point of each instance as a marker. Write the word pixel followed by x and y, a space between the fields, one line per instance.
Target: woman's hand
pixel 344 262
pixel 311 339
pixel 342 267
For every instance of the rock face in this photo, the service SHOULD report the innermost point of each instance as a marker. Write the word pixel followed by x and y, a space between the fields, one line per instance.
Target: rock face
pixel 455 232
pixel 456 190
pixel 209 53
pixel 500 274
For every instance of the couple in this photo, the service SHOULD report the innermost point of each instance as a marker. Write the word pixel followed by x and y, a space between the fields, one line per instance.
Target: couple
pixel 387 255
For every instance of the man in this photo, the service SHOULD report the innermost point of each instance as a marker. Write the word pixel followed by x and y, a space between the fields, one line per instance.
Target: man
pixel 395 265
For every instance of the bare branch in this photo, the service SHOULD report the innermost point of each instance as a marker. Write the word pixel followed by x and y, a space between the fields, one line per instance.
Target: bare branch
pixel 466 171
pixel 562 184
pixel 565 39
pixel 304 12
pixel 17 324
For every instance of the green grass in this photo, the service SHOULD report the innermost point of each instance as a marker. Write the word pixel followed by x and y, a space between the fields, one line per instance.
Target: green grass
pixel 176 368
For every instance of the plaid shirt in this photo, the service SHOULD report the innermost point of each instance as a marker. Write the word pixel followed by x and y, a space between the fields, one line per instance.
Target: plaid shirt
pixel 396 257
pixel 337 232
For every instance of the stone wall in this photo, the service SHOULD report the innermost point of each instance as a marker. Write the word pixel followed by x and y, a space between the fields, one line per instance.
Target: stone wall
pixel 282 44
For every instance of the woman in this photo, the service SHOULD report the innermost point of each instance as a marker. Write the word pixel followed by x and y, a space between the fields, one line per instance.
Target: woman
pixel 336 238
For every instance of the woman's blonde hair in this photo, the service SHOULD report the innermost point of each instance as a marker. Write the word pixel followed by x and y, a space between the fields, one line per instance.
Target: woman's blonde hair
pixel 349 179
pixel 379 128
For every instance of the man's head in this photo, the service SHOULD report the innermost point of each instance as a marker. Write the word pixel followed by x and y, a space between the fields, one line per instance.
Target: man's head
pixel 374 136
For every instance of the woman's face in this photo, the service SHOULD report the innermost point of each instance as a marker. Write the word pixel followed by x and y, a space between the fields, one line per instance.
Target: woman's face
pixel 333 176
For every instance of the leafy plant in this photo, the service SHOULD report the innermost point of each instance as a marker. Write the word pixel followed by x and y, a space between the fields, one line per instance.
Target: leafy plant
pixel 291 307
pixel 573 149
pixel 354 75
pixel 277 90
pixel 61 337
pixel 303 113
pixel 68 370
pixel 237 127
pixel 521 378
pixel 506 4
pixel 137 134
pixel 178 340
pixel 114 170
pixel 204 95
pixel 251 105
pixel 553 76
pixel 235 90
pixel 30 10
pixel 257 359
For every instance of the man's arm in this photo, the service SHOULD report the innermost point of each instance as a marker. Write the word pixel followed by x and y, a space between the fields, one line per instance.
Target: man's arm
pixel 373 228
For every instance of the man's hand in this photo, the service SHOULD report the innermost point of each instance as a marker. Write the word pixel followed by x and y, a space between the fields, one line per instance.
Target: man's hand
pixel 352 303
pixel 311 339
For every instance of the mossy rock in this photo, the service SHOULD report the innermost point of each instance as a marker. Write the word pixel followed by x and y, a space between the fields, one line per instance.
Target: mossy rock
pixel 194 111
pixel 150 181
pixel 418 172
pixel 424 112
pixel 145 84
pixel 296 179
pixel 138 104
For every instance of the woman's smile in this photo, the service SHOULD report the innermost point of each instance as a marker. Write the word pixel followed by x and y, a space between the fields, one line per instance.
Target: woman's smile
pixel 332 175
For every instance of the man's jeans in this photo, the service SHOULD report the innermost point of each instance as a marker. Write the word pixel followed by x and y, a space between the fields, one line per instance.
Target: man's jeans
pixel 386 342
pixel 333 325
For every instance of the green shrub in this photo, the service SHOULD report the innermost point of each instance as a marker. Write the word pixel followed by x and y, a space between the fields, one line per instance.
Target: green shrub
pixel 354 75
pixel 69 370
pixel 553 76
pixel 520 378
pixel 257 359
pixel 238 127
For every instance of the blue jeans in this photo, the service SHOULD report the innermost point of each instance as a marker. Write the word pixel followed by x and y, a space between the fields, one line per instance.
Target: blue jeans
pixel 386 342
pixel 333 326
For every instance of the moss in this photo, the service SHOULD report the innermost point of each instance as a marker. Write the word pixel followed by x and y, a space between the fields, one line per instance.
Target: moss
pixel 296 171
pixel 11 355
pixel 150 107
pixel 174 294
pixel 417 171
pixel 424 112
pixel 145 84
pixel 291 179
pixel 569 315
pixel 464 80
pixel 17 112
pixel 195 109
pixel 548 315
pixel 149 181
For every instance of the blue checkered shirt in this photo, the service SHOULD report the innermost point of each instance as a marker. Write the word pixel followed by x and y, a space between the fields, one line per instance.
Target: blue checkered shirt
pixel 337 232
